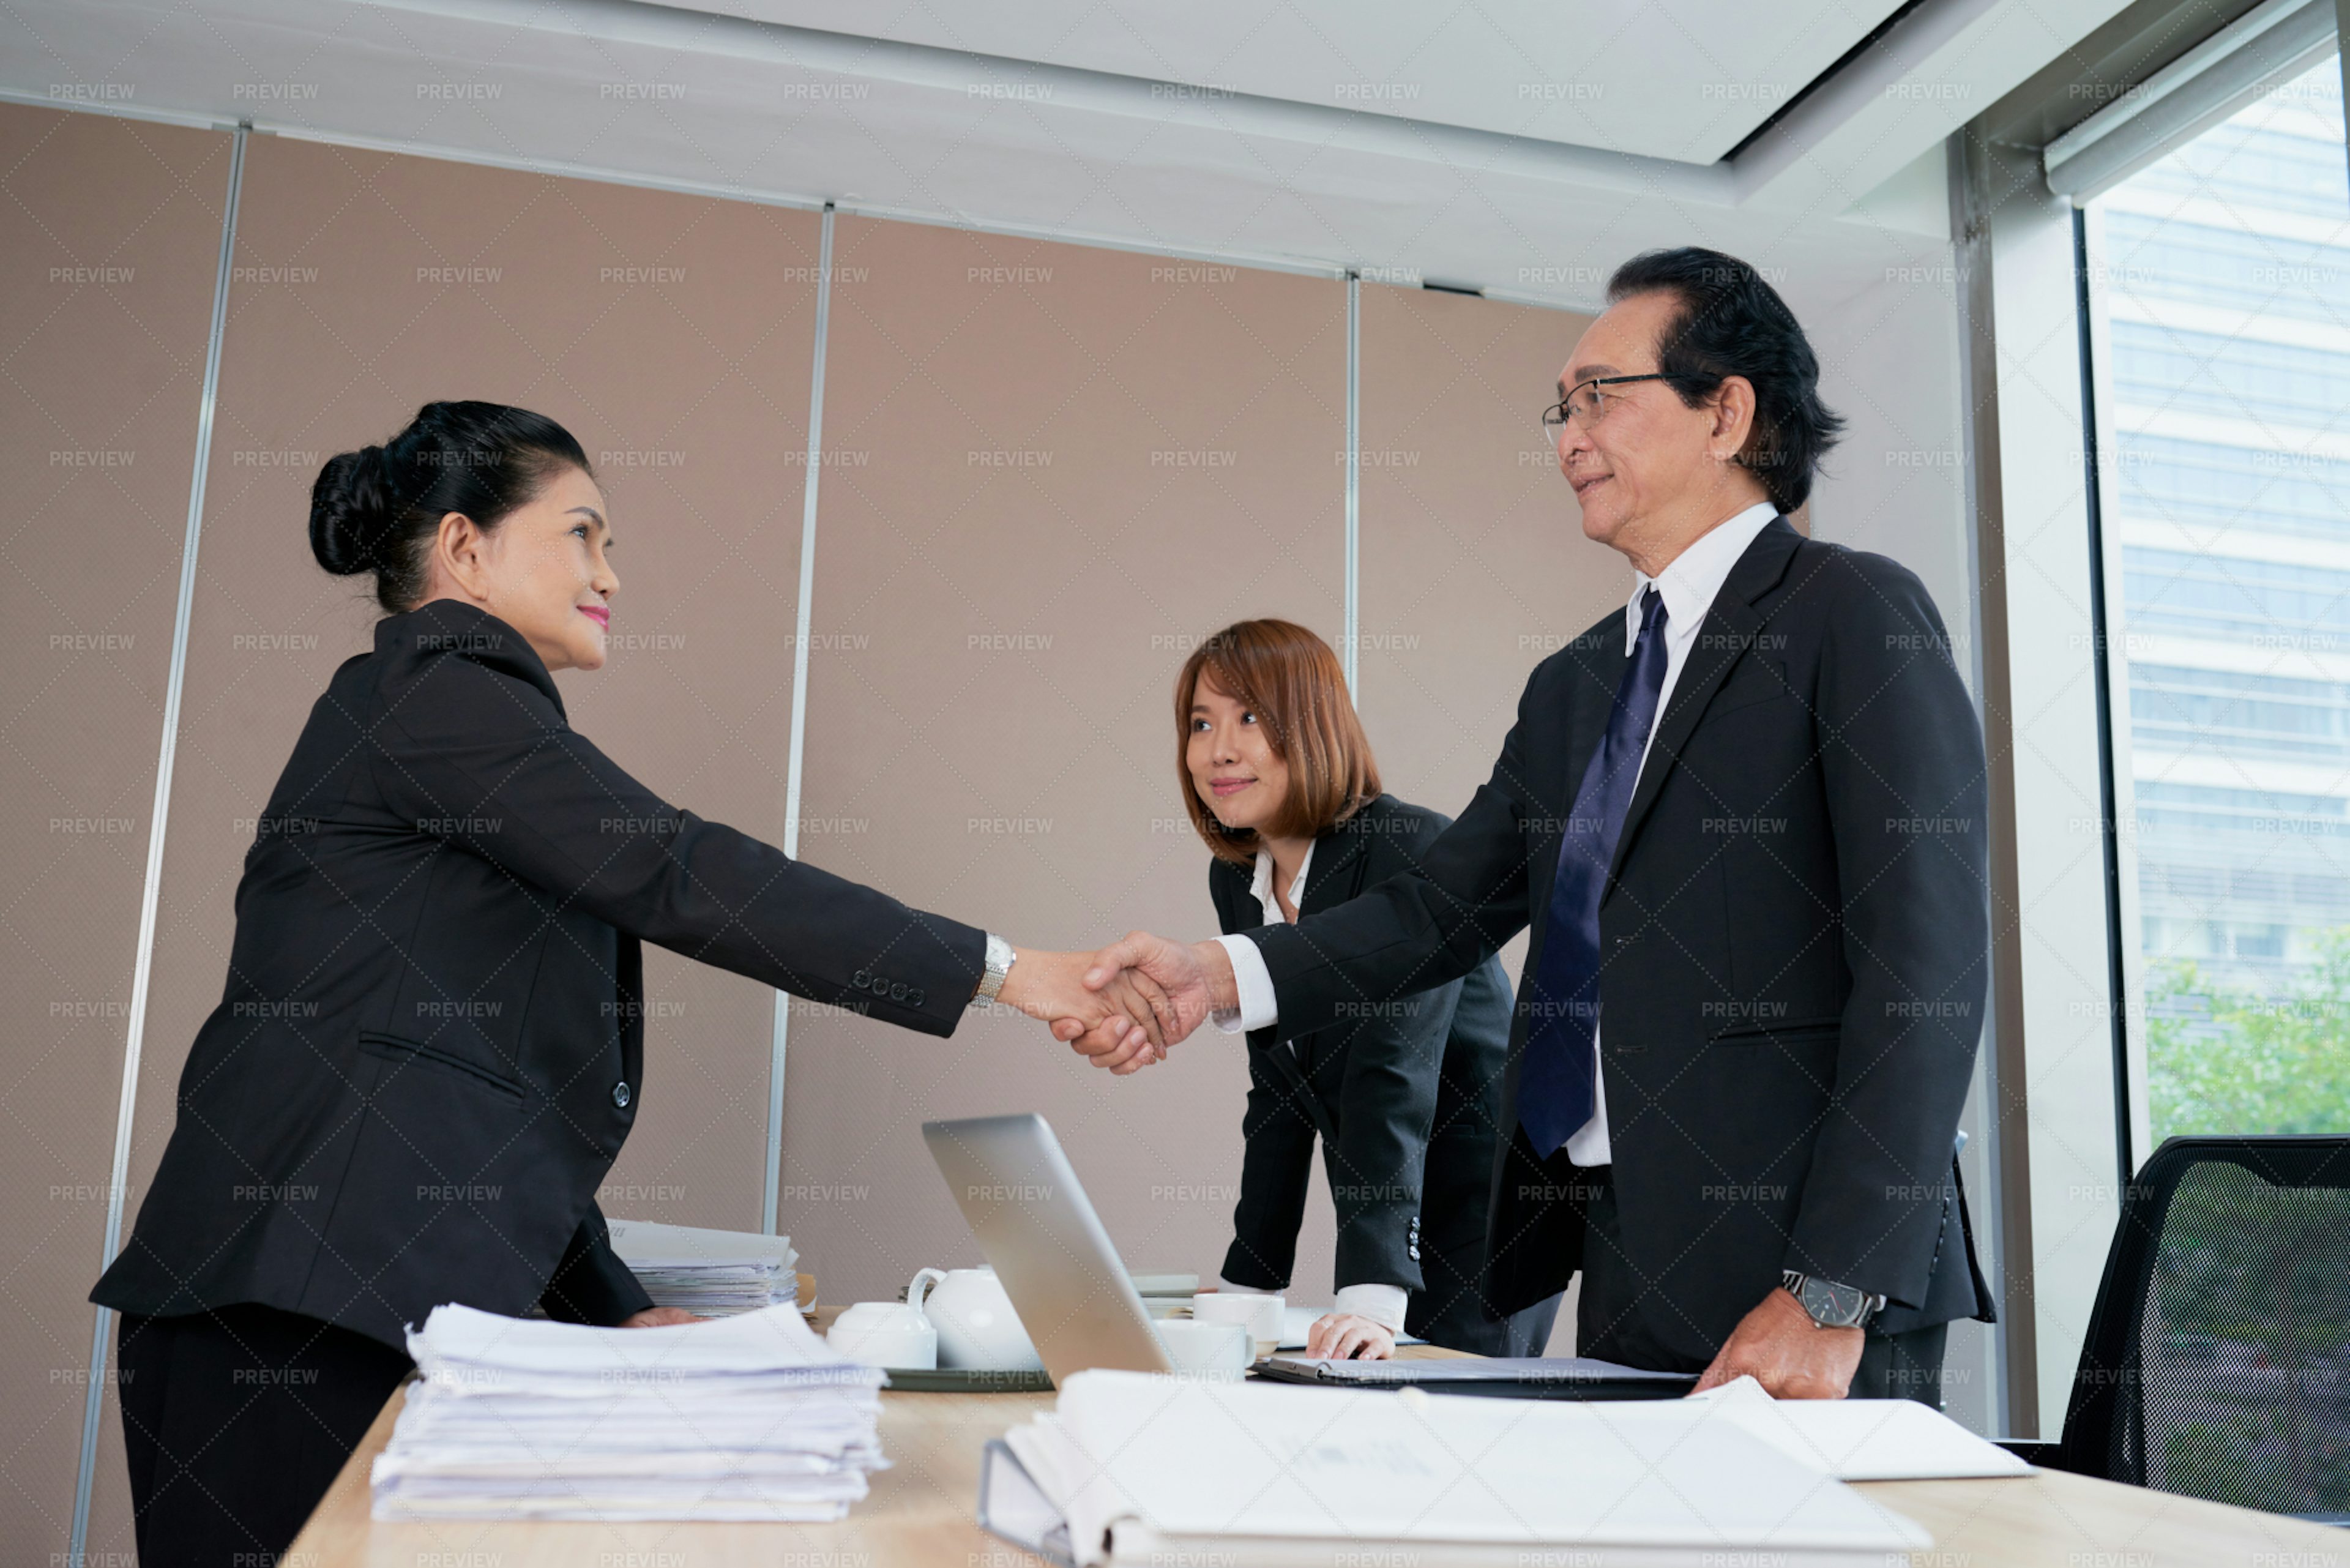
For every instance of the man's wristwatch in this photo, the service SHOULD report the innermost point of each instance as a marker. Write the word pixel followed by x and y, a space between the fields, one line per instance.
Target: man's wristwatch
pixel 1830 1305
pixel 999 965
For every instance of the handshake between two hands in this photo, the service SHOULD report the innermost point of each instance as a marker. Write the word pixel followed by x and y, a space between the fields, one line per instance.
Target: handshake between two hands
pixel 1126 1004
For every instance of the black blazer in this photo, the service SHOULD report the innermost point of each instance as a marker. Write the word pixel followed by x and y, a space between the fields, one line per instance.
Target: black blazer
pixel 430 1043
pixel 1798 945
pixel 1406 1098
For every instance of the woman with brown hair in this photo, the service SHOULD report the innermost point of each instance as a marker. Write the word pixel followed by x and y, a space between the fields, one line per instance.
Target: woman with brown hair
pixel 1280 781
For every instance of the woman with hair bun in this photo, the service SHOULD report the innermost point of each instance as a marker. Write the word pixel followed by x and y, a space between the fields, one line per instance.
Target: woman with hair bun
pixel 430 1046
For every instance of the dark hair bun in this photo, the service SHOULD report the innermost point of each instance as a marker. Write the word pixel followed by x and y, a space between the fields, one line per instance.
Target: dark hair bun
pixel 351 511
pixel 379 508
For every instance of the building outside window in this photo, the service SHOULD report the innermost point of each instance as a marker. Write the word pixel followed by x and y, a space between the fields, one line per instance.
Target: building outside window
pixel 2225 376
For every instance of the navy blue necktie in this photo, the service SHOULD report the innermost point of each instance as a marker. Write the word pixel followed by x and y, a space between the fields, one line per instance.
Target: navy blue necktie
pixel 1556 1085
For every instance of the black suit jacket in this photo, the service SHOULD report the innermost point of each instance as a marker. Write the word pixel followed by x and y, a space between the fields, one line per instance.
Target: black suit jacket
pixel 1406 1098
pixel 1795 938
pixel 430 1043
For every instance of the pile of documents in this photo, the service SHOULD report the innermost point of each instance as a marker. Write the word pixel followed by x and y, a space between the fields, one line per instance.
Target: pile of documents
pixel 712 1273
pixel 1133 1468
pixel 748 1418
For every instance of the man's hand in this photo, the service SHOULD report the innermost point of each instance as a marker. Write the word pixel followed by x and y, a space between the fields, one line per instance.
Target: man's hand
pixel 1135 995
pixel 1122 1021
pixel 1780 1347
pixel 1192 982
pixel 1346 1336
pixel 659 1317
pixel 1130 994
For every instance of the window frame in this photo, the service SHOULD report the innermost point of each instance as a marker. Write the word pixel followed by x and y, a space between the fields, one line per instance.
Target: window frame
pixel 2063 1036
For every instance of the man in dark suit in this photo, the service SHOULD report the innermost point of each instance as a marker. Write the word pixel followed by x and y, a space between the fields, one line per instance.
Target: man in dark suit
pixel 1745 819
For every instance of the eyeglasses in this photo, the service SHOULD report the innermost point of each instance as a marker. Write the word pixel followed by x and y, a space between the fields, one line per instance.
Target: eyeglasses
pixel 1587 403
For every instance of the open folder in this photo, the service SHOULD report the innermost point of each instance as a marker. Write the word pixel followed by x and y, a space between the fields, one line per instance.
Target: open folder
pixel 1133 1468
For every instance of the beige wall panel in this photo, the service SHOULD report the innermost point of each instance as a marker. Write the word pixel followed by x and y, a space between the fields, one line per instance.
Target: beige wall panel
pixel 1474 568
pixel 1049 469
pixel 672 335
pixel 108 257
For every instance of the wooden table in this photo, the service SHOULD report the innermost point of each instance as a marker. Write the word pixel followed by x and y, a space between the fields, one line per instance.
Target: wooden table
pixel 920 1512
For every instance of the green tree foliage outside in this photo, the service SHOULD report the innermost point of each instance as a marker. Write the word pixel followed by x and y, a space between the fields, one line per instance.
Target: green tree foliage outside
pixel 2221 1061
pixel 2243 1389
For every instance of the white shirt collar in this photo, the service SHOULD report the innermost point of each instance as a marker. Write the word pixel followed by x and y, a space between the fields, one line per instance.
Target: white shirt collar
pixel 1262 888
pixel 1694 580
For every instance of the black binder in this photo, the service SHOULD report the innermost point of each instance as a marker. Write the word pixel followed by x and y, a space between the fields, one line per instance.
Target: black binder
pixel 1493 1377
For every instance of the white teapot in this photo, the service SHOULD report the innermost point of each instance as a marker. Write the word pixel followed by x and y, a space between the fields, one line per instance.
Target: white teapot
pixel 976 1325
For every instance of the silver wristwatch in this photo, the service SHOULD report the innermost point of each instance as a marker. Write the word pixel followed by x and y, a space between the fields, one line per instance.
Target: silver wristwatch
pixel 999 965
pixel 1830 1305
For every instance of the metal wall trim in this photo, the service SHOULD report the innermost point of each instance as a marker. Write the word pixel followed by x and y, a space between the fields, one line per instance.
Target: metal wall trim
pixel 794 770
pixel 143 964
pixel 1353 481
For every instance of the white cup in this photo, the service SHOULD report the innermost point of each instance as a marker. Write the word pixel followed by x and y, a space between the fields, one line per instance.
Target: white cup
pixel 1220 1352
pixel 893 1335
pixel 1262 1315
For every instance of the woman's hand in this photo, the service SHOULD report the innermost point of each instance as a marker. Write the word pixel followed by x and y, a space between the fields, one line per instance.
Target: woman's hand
pixel 1135 995
pixel 1051 986
pixel 1344 1336
pixel 659 1317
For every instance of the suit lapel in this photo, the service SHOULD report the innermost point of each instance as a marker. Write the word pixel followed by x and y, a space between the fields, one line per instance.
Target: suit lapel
pixel 1728 631
pixel 1232 899
pixel 1329 880
pixel 1335 875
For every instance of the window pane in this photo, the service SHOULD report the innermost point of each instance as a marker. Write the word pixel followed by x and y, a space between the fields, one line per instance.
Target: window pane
pixel 2227 531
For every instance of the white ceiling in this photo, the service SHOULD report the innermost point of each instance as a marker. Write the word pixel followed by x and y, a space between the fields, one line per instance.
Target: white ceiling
pixel 1522 152
pixel 1684 79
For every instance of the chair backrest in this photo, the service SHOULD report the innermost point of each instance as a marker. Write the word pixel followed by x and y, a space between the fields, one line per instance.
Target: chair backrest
pixel 2218 1360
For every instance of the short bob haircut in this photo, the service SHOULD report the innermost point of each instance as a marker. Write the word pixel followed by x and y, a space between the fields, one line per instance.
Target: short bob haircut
pixel 1732 323
pixel 1291 681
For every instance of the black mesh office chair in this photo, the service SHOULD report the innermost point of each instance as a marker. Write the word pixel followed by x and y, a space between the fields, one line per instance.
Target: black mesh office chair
pixel 2218 1358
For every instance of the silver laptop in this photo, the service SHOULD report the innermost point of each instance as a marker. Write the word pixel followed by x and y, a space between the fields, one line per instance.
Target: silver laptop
pixel 1073 1295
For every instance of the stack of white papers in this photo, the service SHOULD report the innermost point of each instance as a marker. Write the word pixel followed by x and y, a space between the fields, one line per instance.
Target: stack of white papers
pixel 1156 1469
pixel 710 1273
pixel 748 1417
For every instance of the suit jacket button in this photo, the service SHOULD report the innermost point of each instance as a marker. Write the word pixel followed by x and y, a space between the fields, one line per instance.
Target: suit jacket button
pixel 620 1094
pixel 914 997
pixel 861 981
pixel 898 993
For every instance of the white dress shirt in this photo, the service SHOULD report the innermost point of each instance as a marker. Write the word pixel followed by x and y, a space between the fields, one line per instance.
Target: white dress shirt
pixel 1689 586
pixel 1382 1303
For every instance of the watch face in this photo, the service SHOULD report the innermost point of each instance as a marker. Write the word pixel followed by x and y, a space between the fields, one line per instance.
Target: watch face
pixel 1830 1302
